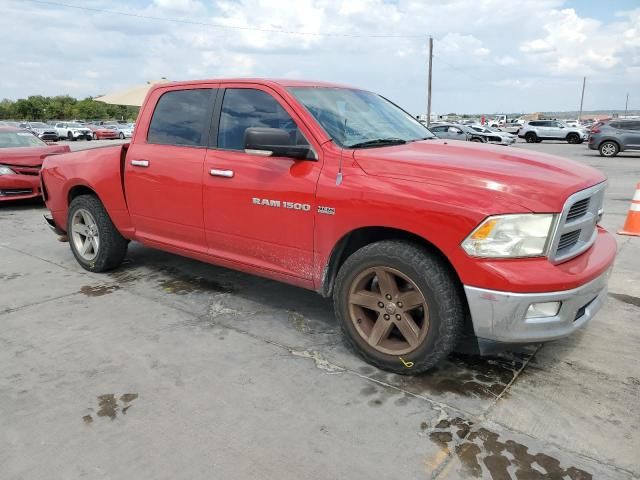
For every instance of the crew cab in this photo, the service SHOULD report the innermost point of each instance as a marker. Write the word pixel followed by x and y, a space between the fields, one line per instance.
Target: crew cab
pixel 336 189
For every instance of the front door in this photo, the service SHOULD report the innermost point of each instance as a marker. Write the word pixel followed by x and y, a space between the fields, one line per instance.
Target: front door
pixel 164 165
pixel 259 210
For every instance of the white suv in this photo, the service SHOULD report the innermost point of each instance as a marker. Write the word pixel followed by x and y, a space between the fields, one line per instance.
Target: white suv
pixel 536 131
pixel 72 131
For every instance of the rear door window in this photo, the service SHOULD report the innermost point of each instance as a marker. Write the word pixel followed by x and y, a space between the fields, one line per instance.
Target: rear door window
pixel 182 117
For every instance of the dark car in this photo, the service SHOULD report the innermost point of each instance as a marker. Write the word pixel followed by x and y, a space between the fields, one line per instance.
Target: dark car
pixel 613 136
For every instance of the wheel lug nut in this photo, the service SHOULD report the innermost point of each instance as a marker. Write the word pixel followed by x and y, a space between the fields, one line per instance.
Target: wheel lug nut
pixel 400 304
pixel 359 320
pixel 388 297
pixel 386 317
pixel 380 304
pixel 398 316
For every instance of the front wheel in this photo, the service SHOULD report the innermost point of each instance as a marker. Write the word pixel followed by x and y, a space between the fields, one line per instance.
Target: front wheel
pixel 70 137
pixel 399 306
pixel 94 240
pixel 121 136
pixel 573 138
pixel 476 139
pixel 531 137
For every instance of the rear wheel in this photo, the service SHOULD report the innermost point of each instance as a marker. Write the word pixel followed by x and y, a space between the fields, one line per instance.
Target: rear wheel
pixel 94 240
pixel 399 306
pixel 609 149
pixel 476 139
pixel 121 136
pixel 531 137
pixel 573 138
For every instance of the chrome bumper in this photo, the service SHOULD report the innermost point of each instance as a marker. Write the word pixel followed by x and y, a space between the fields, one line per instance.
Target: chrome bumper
pixel 501 316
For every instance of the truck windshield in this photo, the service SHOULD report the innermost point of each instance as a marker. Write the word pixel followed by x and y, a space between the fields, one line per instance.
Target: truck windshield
pixel 356 118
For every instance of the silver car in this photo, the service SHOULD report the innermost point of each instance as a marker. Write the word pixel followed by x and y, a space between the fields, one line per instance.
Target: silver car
pixel 535 131
pixel 493 135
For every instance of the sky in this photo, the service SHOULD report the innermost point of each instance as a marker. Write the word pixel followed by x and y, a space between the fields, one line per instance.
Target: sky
pixel 490 56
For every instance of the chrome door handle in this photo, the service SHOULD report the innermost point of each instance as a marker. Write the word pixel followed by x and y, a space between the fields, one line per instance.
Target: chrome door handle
pixel 140 163
pixel 214 172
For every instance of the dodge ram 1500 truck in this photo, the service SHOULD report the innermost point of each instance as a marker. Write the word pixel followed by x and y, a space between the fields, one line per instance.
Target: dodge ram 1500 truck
pixel 338 190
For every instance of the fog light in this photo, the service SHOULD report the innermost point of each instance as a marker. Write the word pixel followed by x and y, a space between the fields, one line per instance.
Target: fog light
pixel 546 309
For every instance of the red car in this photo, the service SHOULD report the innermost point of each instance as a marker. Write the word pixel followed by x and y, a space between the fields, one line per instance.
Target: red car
pixel 21 156
pixel 419 241
pixel 102 133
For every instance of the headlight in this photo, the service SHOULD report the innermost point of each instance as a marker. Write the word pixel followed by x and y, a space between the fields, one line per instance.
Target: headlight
pixel 6 170
pixel 509 236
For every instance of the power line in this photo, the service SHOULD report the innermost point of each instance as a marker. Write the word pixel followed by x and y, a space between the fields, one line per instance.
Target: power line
pixel 217 25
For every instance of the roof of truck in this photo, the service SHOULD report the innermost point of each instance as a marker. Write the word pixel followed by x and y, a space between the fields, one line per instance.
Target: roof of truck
pixel 282 82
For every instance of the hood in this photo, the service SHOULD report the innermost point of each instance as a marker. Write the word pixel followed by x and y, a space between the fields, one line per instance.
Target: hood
pixel 29 156
pixel 535 181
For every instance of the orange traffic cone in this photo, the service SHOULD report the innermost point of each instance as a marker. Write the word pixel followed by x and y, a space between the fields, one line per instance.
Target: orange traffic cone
pixel 632 224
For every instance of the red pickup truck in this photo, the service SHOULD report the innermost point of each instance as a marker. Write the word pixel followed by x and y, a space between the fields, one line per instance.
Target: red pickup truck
pixel 338 190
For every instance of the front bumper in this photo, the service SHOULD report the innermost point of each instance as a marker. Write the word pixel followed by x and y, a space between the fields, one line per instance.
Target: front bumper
pixel 501 316
pixel 19 187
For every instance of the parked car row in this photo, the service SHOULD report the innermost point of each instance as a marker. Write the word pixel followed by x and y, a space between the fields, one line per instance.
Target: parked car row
pixel 74 130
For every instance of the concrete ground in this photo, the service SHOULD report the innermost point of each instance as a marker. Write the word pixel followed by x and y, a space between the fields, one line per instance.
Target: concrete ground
pixel 171 368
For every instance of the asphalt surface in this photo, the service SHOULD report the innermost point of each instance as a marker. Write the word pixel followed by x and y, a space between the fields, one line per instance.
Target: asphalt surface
pixel 172 368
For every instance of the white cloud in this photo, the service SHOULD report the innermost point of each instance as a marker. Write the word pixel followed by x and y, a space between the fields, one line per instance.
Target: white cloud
pixel 487 52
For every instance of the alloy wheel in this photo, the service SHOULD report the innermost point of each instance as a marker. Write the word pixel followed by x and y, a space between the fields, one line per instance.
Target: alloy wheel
pixel 608 149
pixel 85 234
pixel 388 310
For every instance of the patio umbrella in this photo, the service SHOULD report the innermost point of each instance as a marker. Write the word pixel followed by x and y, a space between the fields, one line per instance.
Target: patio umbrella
pixel 131 96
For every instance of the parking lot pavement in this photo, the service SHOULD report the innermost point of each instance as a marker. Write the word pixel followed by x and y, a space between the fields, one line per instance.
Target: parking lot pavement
pixel 171 368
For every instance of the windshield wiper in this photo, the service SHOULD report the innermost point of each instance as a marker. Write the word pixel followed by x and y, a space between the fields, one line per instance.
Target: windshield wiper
pixel 378 142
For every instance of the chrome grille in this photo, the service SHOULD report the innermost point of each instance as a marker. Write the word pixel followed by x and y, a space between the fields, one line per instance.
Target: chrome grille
pixel 576 230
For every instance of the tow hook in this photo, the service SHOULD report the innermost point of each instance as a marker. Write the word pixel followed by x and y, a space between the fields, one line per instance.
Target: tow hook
pixel 62 236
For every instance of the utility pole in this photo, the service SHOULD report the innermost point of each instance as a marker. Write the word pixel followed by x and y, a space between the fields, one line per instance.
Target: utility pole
pixel 626 105
pixel 584 81
pixel 429 84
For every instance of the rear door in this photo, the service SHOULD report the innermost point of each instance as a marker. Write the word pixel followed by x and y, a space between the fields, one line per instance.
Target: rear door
pixel 259 210
pixel 164 165
pixel 630 133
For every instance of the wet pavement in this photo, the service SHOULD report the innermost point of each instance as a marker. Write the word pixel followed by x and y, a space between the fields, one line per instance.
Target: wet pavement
pixel 171 368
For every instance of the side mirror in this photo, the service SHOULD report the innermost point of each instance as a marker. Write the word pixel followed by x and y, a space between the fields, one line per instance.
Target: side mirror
pixel 268 142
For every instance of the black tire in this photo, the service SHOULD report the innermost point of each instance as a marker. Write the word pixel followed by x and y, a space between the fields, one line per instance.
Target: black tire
pixel 531 137
pixel 476 139
pixel 538 140
pixel 121 136
pixel 438 287
pixel 70 137
pixel 89 138
pixel 113 246
pixel 573 138
pixel 609 149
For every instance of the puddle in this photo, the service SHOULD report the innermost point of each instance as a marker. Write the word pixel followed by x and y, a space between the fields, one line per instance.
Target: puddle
pixel 170 280
pixel 631 300
pixel 482 452
pixel 109 406
pixel 463 375
pixel 98 290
